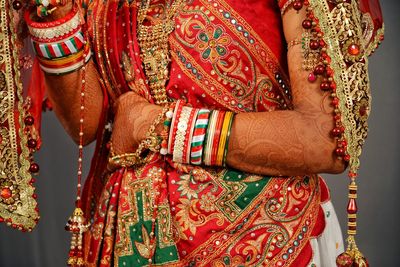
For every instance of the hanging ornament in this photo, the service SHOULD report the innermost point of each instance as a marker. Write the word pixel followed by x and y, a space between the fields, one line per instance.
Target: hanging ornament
pixel 77 226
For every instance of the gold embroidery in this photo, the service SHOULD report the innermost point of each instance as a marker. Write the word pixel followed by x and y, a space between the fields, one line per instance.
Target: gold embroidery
pixel 232 51
pixel 342 28
pixel 347 33
pixel 146 249
pixel 128 210
pixel 375 42
pixel 17 205
pixel 165 226
pixel 153 42
pixel 226 200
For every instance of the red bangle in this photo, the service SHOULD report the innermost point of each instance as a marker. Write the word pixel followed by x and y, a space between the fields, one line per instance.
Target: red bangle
pixel 216 137
pixel 49 24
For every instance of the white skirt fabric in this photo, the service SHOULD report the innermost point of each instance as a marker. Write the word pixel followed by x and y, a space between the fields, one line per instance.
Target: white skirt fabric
pixel 330 244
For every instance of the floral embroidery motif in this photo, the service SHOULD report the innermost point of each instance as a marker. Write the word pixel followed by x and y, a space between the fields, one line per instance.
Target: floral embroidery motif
pixel 232 64
pixel 212 43
pixel 207 202
pixel 184 187
pixel 145 249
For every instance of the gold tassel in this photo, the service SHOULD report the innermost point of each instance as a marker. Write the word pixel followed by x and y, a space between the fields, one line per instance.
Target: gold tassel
pixel 352 257
pixel 77 226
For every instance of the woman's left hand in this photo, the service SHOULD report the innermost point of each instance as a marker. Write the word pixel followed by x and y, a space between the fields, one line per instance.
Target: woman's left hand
pixel 133 117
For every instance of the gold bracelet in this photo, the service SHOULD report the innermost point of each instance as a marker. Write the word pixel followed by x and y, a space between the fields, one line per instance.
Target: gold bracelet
pixel 223 138
pixel 151 142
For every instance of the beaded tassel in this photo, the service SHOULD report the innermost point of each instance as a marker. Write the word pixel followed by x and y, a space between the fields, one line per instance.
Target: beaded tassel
pixel 77 223
pixel 352 256
pixel 77 226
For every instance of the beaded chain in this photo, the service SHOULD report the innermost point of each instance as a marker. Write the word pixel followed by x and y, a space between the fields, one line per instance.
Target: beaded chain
pixel 77 223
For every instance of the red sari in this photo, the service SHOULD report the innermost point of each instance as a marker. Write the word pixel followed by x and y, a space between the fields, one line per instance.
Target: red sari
pixel 228 55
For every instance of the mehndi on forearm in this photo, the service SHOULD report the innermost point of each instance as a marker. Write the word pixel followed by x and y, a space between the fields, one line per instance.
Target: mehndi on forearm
pixel 62 54
pixel 282 143
pixel 64 94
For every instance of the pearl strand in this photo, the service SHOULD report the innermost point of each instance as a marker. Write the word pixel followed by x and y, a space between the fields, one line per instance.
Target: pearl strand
pixel 77 223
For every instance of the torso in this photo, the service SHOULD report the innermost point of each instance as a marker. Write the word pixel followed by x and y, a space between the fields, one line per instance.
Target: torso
pixel 220 60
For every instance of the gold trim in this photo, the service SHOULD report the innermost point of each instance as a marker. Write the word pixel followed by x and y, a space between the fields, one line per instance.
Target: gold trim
pixel 14 167
pixel 350 74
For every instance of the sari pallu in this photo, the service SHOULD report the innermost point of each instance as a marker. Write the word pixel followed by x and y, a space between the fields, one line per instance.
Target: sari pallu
pixel 204 216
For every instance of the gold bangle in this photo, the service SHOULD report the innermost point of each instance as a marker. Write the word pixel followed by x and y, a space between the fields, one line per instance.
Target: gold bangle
pixel 223 138
pixel 210 138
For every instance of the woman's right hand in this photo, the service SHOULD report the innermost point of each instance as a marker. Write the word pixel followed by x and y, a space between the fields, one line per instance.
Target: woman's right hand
pixel 133 117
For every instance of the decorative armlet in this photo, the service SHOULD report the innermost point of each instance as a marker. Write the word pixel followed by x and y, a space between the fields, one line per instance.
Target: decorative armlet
pixel 60 45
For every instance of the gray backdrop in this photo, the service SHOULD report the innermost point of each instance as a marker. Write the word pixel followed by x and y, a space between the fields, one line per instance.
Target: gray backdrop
pixel 379 180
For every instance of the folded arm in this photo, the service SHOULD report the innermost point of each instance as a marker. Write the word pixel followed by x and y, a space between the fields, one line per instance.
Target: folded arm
pixel 64 92
pixel 291 142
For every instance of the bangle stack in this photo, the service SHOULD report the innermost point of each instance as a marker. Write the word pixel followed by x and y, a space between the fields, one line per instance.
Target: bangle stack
pixel 199 136
pixel 190 135
pixel 60 45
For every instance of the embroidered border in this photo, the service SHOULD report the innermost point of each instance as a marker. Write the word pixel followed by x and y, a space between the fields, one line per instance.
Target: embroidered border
pixel 15 178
